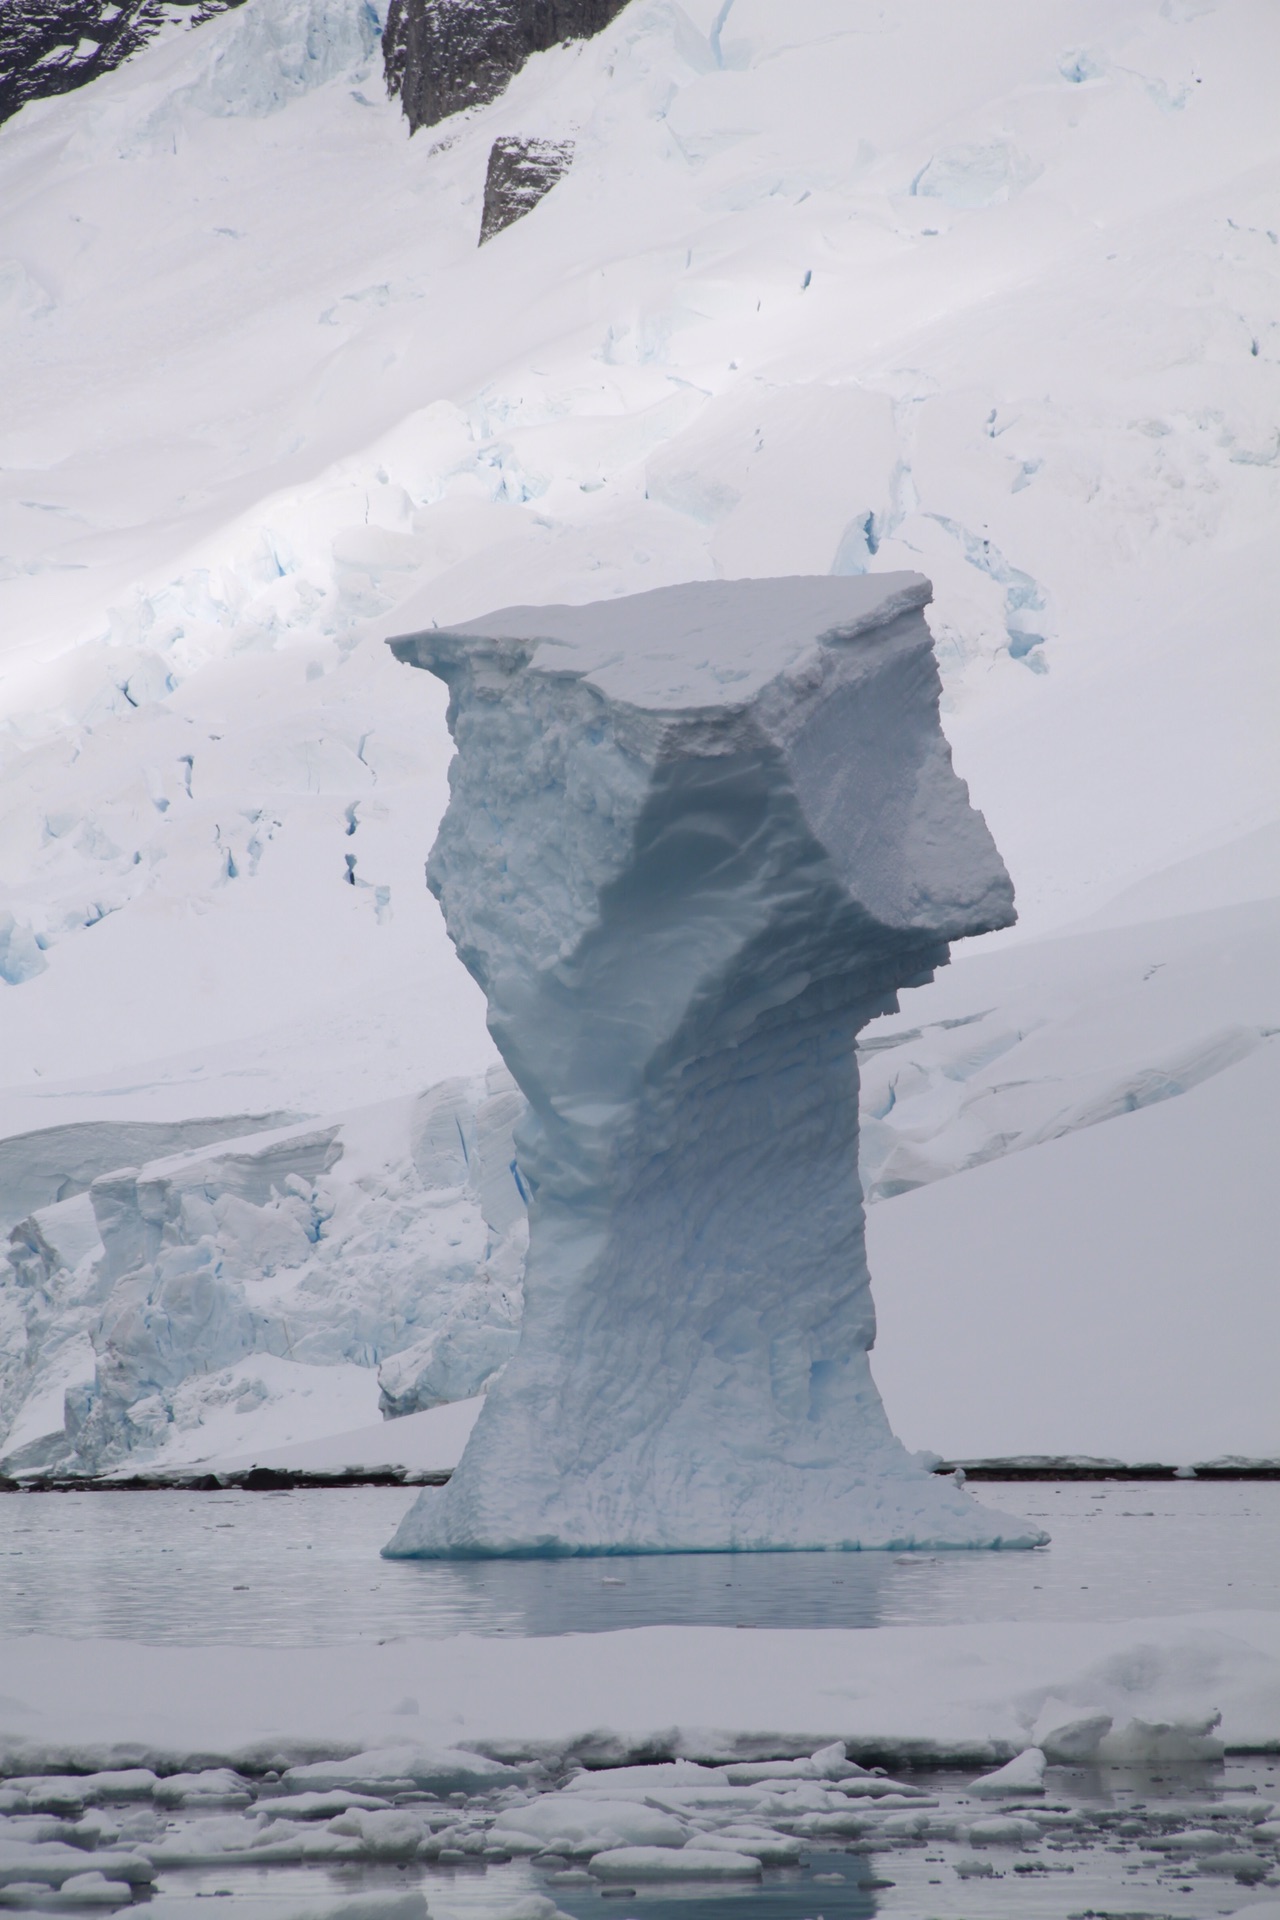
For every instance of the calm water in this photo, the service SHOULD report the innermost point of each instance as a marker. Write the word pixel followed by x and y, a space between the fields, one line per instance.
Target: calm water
pixel 303 1568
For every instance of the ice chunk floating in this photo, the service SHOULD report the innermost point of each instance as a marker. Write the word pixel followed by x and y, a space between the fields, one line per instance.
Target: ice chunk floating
pixel 696 839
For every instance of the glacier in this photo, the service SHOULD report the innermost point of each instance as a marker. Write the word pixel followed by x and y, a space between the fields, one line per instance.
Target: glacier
pixel 696 839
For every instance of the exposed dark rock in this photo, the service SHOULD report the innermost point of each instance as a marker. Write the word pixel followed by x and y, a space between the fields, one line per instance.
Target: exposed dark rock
pixel 442 55
pixel 244 1479
pixel 521 171
pixel 53 46
pixel 1048 1466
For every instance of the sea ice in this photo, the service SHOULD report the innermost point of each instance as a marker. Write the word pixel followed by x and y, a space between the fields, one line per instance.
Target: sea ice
pixel 667 1863
pixel 212 1786
pixel 1018 1777
pixel 1172 1742
pixel 92 1890
pixel 696 839
pixel 428 1769
pixel 761 1843
pixel 1068 1739
pixel 1003 1830
pixel 587 1825
pixel 828 1763
pixel 53 1863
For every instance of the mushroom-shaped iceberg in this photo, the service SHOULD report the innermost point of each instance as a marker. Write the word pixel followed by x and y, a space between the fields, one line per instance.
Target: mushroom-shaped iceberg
pixel 696 839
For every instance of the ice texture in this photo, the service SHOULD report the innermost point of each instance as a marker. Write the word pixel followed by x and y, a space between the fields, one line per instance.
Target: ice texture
pixel 696 839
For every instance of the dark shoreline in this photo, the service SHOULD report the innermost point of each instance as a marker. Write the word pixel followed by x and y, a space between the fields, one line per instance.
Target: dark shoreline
pixel 1050 1468
pixel 248 1480
pixel 289 1479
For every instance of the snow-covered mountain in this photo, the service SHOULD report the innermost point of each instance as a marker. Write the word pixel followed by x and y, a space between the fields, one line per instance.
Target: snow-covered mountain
pixel 987 293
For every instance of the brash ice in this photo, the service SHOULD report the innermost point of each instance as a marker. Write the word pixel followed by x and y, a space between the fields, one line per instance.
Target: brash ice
pixel 696 839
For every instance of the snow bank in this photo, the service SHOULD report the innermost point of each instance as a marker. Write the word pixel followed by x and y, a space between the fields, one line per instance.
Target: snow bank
pixel 696 839
pixel 428 1442
pixel 969 1695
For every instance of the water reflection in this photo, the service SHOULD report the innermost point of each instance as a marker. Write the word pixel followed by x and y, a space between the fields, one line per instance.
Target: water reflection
pixel 839 1886
pixel 303 1567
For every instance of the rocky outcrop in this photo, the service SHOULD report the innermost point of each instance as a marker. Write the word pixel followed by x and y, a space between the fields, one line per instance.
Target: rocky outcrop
pixel 53 46
pixel 521 172
pixel 443 55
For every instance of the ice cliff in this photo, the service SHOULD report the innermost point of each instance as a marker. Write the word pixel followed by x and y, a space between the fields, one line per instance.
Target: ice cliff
pixel 286 1281
pixel 696 839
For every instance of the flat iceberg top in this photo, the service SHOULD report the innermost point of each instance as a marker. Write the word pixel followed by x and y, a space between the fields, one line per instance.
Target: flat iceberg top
pixel 704 644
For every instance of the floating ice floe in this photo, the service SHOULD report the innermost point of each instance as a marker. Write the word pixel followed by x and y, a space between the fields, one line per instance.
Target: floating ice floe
pixel 405 1768
pixel 671 1863
pixel 1018 1777
pixel 585 1824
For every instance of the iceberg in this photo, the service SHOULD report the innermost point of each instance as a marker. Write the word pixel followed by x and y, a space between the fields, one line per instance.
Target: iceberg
pixel 696 839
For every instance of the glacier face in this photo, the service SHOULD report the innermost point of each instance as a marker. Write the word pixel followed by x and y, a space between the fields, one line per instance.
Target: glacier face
pixel 264 1287
pixel 696 839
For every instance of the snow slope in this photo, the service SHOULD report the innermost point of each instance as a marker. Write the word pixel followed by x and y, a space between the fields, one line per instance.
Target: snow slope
pixel 987 295
pixel 426 1442
pixel 1110 1292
